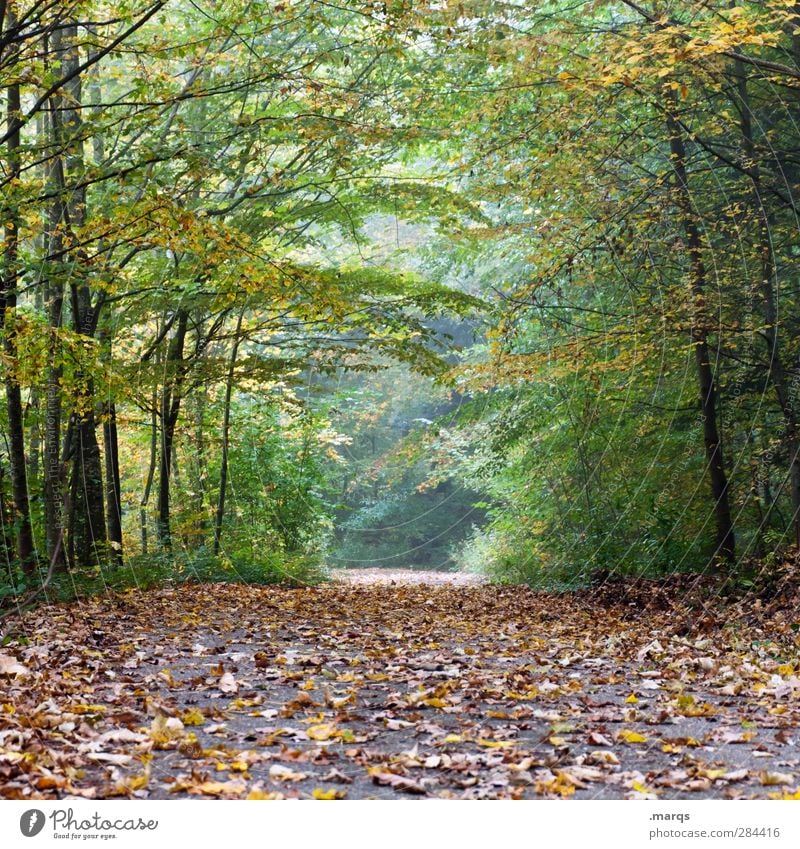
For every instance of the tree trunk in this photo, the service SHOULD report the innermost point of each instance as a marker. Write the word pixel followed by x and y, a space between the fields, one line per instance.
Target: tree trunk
pixel 113 491
pixel 26 553
pixel 113 486
pixel 199 472
pixel 87 513
pixel 725 548
pixel 151 471
pixel 6 545
pixel 226 429
pixel 53 470
pixel 170 409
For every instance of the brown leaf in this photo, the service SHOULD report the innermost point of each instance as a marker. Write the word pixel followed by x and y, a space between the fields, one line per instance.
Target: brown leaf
pixel 397 782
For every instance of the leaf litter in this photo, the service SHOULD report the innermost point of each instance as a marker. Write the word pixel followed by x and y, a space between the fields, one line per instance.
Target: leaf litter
pixel 397 689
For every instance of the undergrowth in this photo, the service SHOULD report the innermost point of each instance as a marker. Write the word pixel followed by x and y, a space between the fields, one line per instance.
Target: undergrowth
pixel 175 567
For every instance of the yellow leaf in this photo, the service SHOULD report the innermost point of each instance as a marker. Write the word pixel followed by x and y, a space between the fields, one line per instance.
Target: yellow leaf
pixel 132 783
pixel 631 736
pixel 437 703
pixel 166 675
pixel 496 744
pixel 786 795
pixel 321 732
pixel 326 795
pixel 262 794
pixel 560 786
pixel 713 774
pixel 165 729
pixel 193 717
pixel 220 788
pixel 640 788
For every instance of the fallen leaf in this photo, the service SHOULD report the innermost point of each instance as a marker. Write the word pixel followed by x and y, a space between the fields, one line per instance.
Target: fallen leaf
pixel 631 736
pixel 326 795
pixel 398 782
pixel 228 684
pixel 11 666
pixel 283 773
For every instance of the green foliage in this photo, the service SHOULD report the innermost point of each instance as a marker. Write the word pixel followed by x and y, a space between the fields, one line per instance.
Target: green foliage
pixel 586 431
pixel 278 479
pixel 407 526
pixel 180 566
pixel 249 215
pixel 395 501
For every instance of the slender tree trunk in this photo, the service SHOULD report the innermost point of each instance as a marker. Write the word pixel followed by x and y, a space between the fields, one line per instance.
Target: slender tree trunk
pixel 226 429
pixel 26 552
pixel 151 471
pixel 87 503
pixel 171 397
pixel 111 462
pixel 6 545
pixel 34 407
pixel 113 491
pixel 53 470
pixel 200 464
pixel 113 485
pixel 725 540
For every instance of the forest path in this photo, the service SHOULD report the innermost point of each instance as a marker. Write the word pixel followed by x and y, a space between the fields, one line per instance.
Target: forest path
pixel 395 577
pixel 397 691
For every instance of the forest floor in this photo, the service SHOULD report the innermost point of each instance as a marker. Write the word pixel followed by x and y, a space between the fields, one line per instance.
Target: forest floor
pixel 402 687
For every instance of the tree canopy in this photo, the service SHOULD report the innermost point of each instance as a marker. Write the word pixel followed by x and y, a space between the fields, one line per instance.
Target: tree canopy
pixel 493 284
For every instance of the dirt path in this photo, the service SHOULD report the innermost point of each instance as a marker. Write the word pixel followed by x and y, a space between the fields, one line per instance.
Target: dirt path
pixel 391 691
pixel 396 577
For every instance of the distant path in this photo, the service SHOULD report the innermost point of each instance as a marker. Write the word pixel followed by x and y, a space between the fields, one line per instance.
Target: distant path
pixel 416 577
